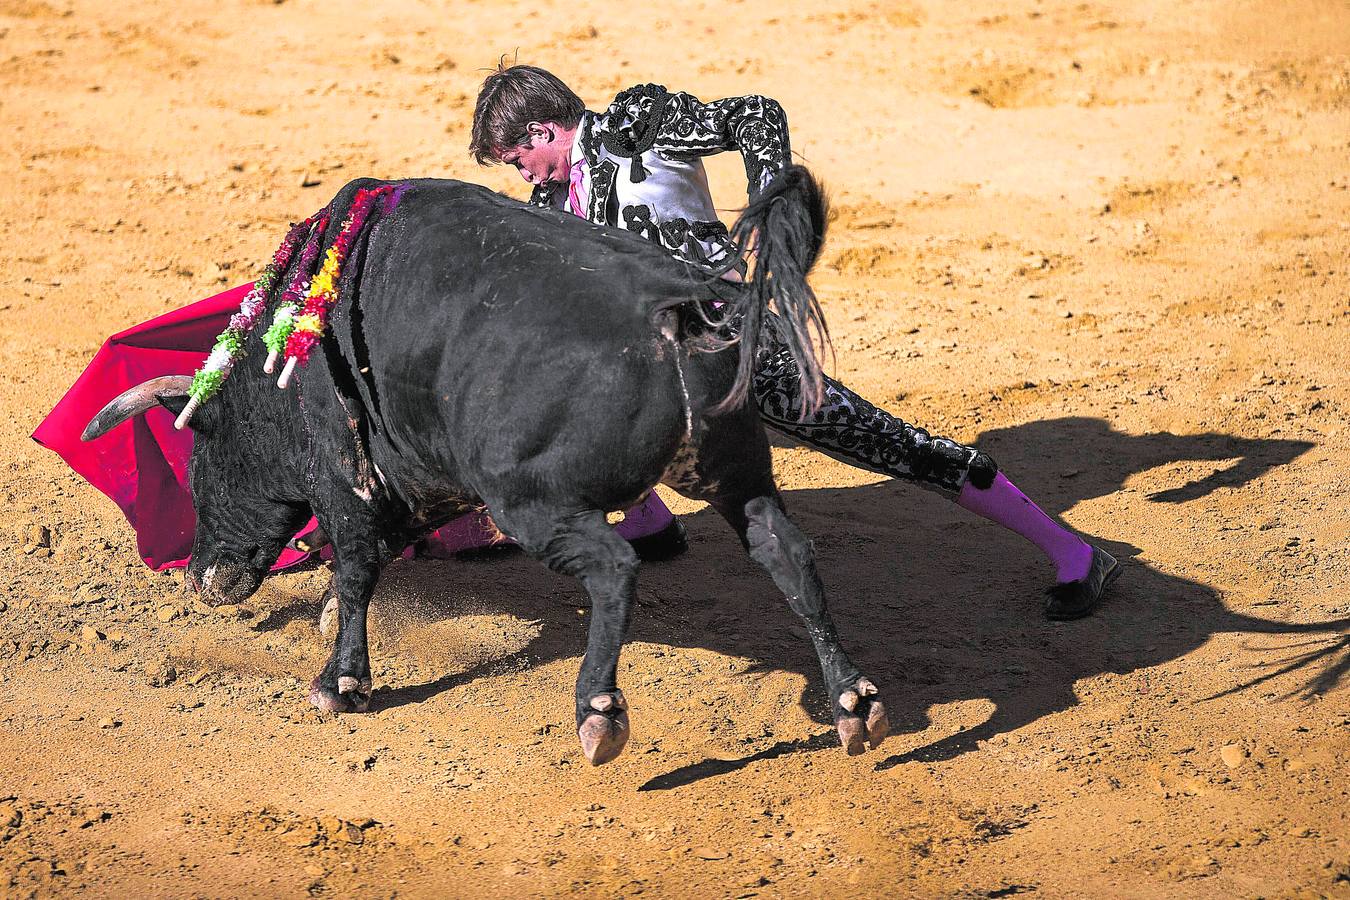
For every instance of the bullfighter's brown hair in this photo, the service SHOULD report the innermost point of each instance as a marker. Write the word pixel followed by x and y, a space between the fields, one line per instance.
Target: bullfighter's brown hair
pixel 512 97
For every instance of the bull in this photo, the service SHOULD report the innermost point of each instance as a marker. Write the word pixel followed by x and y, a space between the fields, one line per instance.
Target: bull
pixel 484 352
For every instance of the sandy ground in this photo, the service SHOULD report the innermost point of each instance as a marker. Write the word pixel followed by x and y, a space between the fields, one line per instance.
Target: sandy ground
pixel 1107 242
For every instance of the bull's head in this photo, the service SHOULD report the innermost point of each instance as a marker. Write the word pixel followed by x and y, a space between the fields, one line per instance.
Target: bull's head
pixel 243 522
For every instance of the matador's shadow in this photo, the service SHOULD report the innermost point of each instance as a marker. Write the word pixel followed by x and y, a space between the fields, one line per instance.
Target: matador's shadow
pixel 936 605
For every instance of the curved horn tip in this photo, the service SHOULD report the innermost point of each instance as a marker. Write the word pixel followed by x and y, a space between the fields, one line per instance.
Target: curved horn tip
pixel 133 402
pixel 92 430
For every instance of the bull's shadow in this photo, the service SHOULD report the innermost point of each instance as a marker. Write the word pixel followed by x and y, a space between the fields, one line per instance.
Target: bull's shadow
pixel 936 605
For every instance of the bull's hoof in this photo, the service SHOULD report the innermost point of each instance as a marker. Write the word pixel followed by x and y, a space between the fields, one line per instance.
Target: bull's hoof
pixel 852 734
pixel 604 733
pixel 861 719
pixel 352 695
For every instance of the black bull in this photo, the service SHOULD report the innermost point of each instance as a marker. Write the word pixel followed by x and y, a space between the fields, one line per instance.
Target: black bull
pixel 484 352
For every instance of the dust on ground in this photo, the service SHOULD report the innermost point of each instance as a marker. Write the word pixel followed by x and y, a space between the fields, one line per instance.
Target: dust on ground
pixel 1106 241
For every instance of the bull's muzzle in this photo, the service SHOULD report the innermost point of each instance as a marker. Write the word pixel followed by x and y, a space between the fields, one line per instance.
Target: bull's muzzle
pixel 222 583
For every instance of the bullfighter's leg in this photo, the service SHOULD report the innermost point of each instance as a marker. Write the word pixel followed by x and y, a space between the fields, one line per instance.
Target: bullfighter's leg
pixel 653 530
pixel 785 553
pixel 344 685
pixel 585 546
pixel 850 429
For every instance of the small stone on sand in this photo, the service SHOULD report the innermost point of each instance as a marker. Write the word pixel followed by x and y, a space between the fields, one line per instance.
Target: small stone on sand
pixel 162 675
pixel 358 760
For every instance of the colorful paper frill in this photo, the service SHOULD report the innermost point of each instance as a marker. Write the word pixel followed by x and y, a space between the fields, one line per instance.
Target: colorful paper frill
pixel 229 346
pixel 304 324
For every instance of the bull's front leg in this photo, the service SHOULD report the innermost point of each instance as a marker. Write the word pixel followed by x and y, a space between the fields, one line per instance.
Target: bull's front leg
pixel 344 685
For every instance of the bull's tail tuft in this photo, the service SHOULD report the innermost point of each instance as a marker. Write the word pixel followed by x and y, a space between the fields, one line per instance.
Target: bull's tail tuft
pixel 784 227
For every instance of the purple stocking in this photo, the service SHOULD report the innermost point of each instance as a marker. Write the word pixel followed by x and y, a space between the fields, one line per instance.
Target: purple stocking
pixel 647 518
pixel 1003 503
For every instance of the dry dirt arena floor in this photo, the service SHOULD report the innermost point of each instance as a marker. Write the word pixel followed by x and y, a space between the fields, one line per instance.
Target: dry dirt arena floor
pixel 1106 242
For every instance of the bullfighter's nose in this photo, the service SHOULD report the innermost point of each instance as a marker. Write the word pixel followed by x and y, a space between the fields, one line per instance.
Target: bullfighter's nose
pixel 191 581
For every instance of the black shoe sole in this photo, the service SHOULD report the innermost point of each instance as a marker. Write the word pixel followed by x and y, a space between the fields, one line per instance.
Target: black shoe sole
pixel 1069 615
pixel 665 545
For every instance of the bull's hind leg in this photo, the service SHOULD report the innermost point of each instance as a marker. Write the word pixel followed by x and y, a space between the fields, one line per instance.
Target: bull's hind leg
pixel 584 546
pixel 785 553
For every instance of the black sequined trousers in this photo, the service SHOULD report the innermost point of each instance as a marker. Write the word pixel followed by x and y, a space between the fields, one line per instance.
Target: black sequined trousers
pixel 854 431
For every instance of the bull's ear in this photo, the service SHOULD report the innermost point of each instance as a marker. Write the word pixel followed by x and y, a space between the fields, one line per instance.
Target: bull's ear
pixel 174 403
pixel 203 418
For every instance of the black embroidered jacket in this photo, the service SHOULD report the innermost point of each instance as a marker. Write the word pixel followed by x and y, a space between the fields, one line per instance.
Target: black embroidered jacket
pixel 644 153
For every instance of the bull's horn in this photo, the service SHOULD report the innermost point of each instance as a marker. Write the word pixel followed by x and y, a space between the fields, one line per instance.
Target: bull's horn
pixel 136 401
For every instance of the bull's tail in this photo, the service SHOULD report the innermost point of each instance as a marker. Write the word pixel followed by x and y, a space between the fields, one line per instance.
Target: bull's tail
pixel 784 227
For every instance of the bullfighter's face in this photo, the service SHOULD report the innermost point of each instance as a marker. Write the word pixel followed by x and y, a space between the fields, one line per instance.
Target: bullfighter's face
pixel 546 155
pixel 240 530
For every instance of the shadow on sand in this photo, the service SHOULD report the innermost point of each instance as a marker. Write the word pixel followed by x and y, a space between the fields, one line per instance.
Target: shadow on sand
pixel 935 605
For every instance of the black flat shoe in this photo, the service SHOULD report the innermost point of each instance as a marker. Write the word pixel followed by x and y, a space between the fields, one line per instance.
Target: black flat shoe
pixel 666 544
pixel 314 539
pixel 482 554
pixel 1075 599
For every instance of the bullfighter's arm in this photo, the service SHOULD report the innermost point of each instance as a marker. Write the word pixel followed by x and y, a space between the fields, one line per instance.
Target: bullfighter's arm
pixel 681 126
